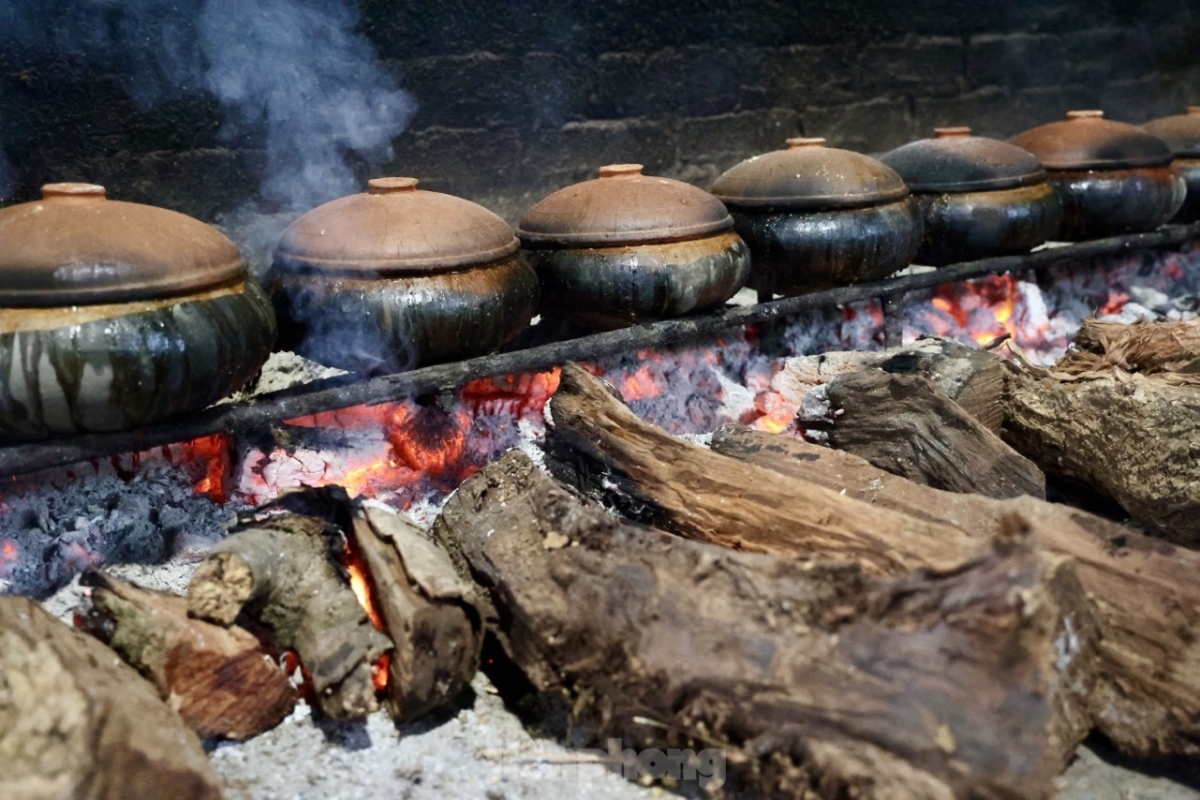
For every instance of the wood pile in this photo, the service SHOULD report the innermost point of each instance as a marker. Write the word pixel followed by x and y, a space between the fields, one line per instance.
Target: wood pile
pixel 898 611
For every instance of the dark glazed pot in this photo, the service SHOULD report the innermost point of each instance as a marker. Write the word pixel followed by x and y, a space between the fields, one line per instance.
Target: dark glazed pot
pixel 1182 134
pixel 978 197
pixel 1112 178
pixel 628 248
pixel 816 217
pixel 117 315
pixel 398 278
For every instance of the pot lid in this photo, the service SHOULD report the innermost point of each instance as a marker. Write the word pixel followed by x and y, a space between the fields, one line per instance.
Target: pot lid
pixel 809 176
pixel 76 247
pixel 623 207
pixel 1181 132
pixel 395 228
pixel 955 161
pixel 1086 140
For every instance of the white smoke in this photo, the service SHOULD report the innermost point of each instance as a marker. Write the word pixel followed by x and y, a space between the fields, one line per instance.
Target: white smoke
pixel 294 72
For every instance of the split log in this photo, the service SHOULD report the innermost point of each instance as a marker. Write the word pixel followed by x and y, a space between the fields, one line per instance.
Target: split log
pixel 906 425
pixel 426 608
pixel 1126 436
pixel 934 684
pixel 1145 347
pixel 597 444
pixel 1144 592
pixel 77 722
pixel 220 680
pixel 280 571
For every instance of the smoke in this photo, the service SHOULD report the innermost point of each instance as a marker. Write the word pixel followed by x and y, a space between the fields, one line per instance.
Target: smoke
pixel 292 76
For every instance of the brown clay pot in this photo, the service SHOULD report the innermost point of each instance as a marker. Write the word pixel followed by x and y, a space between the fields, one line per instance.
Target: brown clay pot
pixel 627 248
pixel 816 217
pixel 1182 134
pixel 1112 178
pixel 397 278
pixel 116 315
pixel 978 197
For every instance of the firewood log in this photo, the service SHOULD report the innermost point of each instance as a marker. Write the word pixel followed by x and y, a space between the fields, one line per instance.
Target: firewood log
pixel 1144 592
pixel 75 721
pixel 427 609
pixel 220 680
pixel 597 444
pixel 933 684
pixel 1146 347
pixel 908 426
pixel 279 570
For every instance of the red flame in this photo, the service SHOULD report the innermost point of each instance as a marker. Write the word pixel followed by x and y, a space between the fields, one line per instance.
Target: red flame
pixel 1116 303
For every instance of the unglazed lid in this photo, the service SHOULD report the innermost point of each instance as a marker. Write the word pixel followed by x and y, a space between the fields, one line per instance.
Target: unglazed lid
pixel 955 161
pixel 76 247
pixel 395 228
pixel 809 176
pixel 623 207
pixel 1085 140
pixel 1181 132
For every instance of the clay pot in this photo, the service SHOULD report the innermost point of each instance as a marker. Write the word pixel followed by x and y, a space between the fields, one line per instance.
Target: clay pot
pixel 1112 178
pixel 816 217
pixel 1182 135
pixel 398 278
pixel 978 197
pixel 116 315
pixel 627 248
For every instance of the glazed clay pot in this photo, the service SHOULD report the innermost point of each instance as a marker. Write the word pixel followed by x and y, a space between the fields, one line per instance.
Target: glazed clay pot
pixel 1182 135
pixel 116 315
pixel 398 278
pixel 816 217
pixel 978 197
pixel 627 248
pixel 1112 178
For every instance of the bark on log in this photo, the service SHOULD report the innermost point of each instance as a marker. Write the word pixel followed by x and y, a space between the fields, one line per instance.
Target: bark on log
pixel 906 425
pixel 1144 592
pixel 931 684
pixel 280 571
pixel 1127 436
pixel 597 444
pixel 77 722
pixel 1145 347
pixel 220 680
pixel 427 609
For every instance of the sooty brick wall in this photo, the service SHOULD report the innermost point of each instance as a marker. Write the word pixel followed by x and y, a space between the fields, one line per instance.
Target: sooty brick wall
pixel 519 97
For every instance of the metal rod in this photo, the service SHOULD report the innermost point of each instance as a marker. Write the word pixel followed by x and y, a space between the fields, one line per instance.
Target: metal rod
pixel 254 414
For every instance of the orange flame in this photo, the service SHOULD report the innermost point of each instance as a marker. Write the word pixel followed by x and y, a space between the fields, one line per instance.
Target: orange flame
pixel 8 552
pixel 364 592
pixel 997 294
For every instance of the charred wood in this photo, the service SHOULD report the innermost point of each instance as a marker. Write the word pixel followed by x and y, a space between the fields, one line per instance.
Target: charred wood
pixel 1143 592
pixel 75 721
pixel 219 679
pixel 427 609
pixel 597 444
pixel 278 572
pixel 814 675
pixel 908 426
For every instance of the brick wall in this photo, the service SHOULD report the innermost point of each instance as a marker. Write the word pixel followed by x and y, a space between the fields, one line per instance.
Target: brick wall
pixel 519 97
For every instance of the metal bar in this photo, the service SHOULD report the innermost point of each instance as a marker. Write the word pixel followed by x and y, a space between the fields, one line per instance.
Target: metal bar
pixel 303 401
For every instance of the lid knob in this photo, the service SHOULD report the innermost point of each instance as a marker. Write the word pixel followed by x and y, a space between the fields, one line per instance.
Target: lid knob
pixel 391 185
pixel 1093 113
pixel 620 170
pixel 80 190
pixel 945 133
pixel 802 141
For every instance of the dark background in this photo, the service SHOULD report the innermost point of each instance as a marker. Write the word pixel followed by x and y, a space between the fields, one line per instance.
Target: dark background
pixel 520 97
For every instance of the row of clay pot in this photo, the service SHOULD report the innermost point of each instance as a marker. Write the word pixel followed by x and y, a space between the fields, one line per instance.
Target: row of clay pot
pixel 118 315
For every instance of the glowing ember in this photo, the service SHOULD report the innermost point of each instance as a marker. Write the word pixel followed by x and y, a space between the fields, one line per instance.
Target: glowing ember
pixel 364 592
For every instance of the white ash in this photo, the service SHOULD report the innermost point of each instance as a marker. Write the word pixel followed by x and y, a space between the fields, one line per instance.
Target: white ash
pixel 171 576
pixel 283 370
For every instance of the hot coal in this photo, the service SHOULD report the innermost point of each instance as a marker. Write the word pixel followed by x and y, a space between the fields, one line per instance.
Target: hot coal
pixel 73 521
